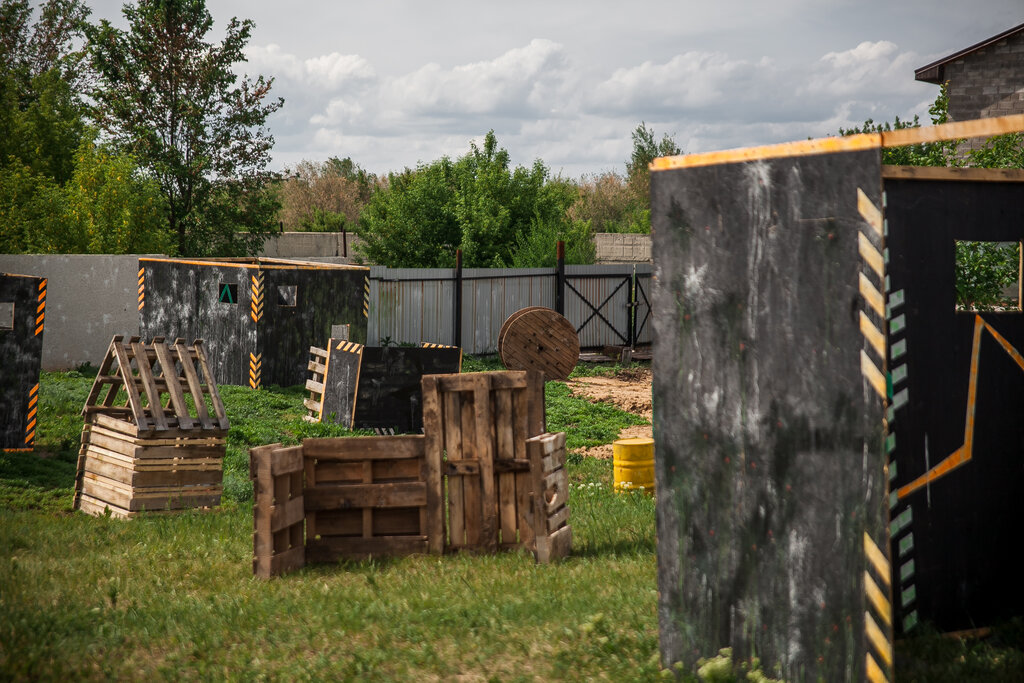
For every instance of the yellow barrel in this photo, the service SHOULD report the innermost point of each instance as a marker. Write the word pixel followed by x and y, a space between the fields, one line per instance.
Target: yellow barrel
pixel 634 464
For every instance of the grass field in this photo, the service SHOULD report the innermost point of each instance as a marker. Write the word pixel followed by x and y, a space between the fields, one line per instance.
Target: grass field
pixel 173 597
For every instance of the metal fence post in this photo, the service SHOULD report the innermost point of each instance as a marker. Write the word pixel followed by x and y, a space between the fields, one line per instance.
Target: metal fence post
pixel 458 298
pixel 560 274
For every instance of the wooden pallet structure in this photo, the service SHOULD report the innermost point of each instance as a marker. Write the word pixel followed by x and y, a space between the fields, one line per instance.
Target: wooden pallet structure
pixel 154 434
pixel 483 476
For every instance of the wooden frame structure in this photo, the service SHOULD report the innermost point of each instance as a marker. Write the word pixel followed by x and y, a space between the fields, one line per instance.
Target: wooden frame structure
pixel 483 464
pixel 154 434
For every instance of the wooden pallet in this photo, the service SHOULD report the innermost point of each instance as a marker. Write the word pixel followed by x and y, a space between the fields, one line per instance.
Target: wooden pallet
pixel 365 496
pixel 546 515
pixel 481 422
pixel 154 434
pixel 279 512
pixel 317 367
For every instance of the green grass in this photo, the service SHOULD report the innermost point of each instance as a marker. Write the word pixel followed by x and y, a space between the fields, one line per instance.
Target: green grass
pixel 173 597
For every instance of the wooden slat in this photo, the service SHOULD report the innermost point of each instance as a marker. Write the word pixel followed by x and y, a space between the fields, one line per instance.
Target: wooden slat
pixel 194 387
pixel 145 376
pixel 315 386
pixel 102 377
pixel 332 548
pixel 134 400
pixel 453 447
pixel 536 420
pixel 472 511
pixel 172 382
pixel 955 130
pixel 959 174
pixel 287 514
pixel 365 447
pixel 433 429
pixel 334 496
pixel 211 385
pixel 485 453
pixel 286 460
pixel 505 452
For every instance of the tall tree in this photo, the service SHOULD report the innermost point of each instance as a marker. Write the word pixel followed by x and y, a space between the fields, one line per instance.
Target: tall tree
pixel 174 100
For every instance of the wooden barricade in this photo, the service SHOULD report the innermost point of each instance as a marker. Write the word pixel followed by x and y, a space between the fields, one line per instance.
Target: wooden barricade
pixel 279 513
pixel 317 367
pixel 154 434
pixel 547 515
pixel 481 422
pixel 365 496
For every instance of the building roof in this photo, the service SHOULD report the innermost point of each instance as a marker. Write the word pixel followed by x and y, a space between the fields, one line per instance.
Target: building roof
pixel 936 71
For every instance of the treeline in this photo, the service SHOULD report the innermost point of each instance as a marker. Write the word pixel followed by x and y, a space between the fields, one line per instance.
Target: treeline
pixel 497 214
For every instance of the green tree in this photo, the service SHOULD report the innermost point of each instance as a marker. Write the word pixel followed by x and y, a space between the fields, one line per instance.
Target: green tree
pixel 173 99
pixel 478 203
pixel 645 150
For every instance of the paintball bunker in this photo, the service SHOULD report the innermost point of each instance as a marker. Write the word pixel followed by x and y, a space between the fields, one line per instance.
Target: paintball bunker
pixel 838 448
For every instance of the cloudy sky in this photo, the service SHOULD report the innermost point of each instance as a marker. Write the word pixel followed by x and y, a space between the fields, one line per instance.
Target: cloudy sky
pixel 392 83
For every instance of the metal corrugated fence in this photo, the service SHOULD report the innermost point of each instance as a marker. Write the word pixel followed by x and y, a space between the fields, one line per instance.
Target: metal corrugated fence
pixel 412 305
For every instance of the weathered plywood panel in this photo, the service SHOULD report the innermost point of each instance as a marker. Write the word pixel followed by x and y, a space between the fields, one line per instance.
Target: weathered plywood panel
pixel 770 460
pixel 957 397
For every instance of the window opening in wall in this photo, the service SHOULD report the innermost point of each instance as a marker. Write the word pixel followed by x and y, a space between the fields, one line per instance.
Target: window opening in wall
pixel 228 293
pixel 287 295
pixel 6 315
pixel 988 276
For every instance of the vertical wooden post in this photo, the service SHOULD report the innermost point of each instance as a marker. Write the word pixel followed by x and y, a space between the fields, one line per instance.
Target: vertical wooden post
pixel 560 275
pixel 458 298
pixel 433 431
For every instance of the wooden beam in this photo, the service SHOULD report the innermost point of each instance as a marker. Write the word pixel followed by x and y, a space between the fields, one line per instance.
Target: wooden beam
pixel 988 175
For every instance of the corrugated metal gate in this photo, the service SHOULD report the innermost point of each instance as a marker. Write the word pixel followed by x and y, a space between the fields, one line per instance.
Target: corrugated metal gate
pixel 606 304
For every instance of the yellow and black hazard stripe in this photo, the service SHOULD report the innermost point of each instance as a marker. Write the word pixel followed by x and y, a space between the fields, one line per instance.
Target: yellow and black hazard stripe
pixel 142 288
pixel 30 420
pixel 366 297
pixel 350 347
pixel 877 578
pixel 40 307
pixel 255 370
pixel 257 289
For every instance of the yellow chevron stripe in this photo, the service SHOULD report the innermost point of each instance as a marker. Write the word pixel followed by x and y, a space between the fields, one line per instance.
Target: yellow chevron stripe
pixel 874 377
pixel 42 285
pixel 30 436
pixel 877 559
pixel 869 211
pixel 870 254
pixel 41 306
pixel 255 367
pixel 878 599
pixel 873 672
pixel 871 295
pixel 39 330
pixel 873 335
pixel 878 639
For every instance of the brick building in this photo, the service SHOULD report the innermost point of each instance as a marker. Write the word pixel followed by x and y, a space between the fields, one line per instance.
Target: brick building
pixel 985 80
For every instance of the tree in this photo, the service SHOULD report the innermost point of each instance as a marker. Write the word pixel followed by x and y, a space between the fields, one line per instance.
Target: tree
pixel 173 99
pixel 646 150
pixel 478 203
pixel 321 196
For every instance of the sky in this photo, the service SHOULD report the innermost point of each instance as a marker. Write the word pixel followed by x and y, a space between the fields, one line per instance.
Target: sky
pixel 394 83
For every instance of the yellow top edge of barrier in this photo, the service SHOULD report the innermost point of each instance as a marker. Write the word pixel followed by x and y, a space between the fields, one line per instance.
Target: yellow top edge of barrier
pixel 896 138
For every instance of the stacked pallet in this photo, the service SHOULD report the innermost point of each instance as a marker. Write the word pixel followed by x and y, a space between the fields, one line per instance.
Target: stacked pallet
pixel 154 434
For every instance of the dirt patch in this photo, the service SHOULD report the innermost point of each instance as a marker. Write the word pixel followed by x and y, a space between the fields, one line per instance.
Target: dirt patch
pixel 629 389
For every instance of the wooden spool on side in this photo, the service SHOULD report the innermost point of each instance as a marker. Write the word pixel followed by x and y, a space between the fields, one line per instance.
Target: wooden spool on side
pixel 538 338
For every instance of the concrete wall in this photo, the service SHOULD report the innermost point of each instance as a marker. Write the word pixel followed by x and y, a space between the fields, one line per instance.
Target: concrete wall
pixel 306 244
pixel 615 247
pixel 90 298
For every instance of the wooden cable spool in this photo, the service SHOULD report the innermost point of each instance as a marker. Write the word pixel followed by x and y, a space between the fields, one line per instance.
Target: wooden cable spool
pixel 538 338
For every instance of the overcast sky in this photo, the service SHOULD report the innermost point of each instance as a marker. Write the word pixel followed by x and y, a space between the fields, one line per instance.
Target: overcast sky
pixel 393 83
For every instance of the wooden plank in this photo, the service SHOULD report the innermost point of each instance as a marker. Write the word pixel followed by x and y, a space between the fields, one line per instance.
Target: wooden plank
pixel 153 478
pixel 287 514
pixel 558 519
pixel 314 406
pixel 184 451
pixel 211 386
pixel 286 460
pixel 959 174
pixel 956 130
pixel 333 548
pixel 334 496
pixel 556 546
pixel 102 375
pixel 145 376
pixel 315 386
pixel 365 447
pixel 99 508
pixel 173 382
pixel 504 419
pixel 333 472
pixel 134 400
pixel 556 490
pixel 433 430
pixel 367 512
pixel 453 447
pixel 385 471
pixel 462 468
pixel 524 509
pixel 194 387
pixel 471 505
pixel 537 420
pixel 337 523
pixel 286 561
pixel 485 438
pixel 318 368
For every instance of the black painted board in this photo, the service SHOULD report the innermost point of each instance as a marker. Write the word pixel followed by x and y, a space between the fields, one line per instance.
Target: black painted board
pixel 769 443
pixel 22 306
pixel 389 398
pixel 955 540
pixel 257 322
pixel 340 382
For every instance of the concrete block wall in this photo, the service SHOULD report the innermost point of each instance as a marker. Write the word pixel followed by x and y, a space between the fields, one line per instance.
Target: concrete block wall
pixel 89 299
pixel 988 83
pixel 305 244
pixel 622 247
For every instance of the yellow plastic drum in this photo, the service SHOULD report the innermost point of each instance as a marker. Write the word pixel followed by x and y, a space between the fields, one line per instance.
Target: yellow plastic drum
pixel 634 464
